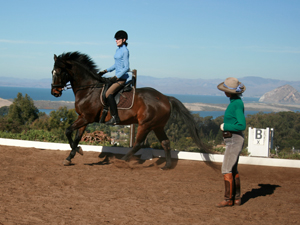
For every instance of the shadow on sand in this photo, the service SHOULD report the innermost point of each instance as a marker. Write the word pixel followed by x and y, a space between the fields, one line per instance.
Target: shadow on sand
pixel 107 158
pixel 264 190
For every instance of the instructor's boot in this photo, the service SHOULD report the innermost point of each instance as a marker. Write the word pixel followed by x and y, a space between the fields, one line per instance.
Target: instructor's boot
pixel 113 111
pixel 237 198
pixel 228 201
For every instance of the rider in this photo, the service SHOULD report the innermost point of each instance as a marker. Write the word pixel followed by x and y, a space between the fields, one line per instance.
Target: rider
pixel 121 77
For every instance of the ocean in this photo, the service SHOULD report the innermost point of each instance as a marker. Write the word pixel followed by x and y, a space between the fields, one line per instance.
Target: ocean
pixel 45 94
pixel 35 93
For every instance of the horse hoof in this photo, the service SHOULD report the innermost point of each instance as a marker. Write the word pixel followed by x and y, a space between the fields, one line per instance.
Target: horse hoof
pixel 79 150
pixel 165 168
pixel 67 163
pixel 126 159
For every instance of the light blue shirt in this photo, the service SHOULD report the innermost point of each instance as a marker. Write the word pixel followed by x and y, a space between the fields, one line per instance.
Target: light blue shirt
pixel 121 65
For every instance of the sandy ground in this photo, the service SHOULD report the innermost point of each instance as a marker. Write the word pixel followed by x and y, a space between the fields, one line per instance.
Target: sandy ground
pixel 37 189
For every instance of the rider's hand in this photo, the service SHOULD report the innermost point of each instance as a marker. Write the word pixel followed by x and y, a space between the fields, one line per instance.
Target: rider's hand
pixel 101 73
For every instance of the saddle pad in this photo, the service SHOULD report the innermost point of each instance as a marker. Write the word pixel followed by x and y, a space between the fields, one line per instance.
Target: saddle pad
pixel 126 99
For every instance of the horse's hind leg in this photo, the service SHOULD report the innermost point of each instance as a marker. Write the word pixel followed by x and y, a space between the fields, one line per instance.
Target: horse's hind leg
pixel 140 137
pixel 162 137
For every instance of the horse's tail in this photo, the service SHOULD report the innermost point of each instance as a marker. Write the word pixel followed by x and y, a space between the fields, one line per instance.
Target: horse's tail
pixel 190 123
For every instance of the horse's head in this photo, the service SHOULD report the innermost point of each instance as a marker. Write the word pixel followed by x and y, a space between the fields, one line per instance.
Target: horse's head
pixel 60 76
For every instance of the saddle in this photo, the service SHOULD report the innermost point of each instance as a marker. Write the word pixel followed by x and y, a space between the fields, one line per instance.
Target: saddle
pixel 124 98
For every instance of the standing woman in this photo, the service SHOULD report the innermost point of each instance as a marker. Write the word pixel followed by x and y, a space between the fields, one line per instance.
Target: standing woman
pixel 121 77
pixel 233 127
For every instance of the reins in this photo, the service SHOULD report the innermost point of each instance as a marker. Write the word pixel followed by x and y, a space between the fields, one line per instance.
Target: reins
pixel 65 76
pixel 83 87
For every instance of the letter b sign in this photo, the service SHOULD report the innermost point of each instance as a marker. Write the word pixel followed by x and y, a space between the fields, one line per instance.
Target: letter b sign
pixel 259 137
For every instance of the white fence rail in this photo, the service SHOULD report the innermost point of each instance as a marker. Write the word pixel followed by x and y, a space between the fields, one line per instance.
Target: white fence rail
pixel 148 153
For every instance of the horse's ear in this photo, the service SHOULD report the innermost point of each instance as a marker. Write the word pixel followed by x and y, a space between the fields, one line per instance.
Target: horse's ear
pixel 55 57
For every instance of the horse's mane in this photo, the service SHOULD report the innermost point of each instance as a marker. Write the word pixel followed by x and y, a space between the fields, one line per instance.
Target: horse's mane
pixel 82 59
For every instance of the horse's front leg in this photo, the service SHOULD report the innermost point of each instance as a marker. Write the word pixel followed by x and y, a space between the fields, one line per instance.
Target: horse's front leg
pixel 74 143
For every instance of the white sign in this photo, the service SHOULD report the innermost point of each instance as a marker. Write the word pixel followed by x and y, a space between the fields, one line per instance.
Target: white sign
pixel 259 141
pixel 259 136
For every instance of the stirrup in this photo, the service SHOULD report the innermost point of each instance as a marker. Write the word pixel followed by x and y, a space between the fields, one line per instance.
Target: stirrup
pixel 113 121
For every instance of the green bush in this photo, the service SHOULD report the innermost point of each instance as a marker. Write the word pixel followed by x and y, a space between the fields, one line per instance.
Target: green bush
pixel 34 135
pixel 220 150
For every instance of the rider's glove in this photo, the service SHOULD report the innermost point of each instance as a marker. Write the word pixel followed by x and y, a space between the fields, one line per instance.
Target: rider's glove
pixel 101 73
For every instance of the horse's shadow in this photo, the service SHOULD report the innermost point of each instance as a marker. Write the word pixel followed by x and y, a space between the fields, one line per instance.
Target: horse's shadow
pixel 264 190
pixel 106 158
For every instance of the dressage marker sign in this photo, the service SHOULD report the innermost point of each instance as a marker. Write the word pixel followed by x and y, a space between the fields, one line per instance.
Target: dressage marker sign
pixel 260 141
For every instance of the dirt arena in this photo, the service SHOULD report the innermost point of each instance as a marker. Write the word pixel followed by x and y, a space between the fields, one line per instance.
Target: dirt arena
pixel 37 189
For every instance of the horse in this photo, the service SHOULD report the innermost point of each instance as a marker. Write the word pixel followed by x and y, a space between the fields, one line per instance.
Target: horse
pixel 151 109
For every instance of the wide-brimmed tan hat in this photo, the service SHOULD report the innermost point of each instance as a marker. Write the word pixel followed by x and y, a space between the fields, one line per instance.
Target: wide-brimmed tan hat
pixel 232 85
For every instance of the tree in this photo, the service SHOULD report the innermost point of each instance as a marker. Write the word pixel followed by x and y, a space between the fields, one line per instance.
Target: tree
pixel 286 127
pixel 62 118
pixel 22 110
pixel 42 123
pixel 4 111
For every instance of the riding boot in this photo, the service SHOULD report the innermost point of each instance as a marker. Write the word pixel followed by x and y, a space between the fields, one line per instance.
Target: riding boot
pixel 228 191
pixel 237 199
pixel 113 111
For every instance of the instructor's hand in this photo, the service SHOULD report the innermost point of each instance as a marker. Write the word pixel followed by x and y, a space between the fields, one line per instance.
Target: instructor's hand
pixel 222 127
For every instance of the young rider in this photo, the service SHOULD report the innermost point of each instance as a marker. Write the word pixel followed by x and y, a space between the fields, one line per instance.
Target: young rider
pixel 121 77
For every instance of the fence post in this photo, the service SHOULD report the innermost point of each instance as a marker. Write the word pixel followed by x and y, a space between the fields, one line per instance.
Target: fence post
pixel 132 126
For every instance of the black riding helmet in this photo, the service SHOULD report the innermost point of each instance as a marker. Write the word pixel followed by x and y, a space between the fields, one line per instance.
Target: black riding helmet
pixel 121 34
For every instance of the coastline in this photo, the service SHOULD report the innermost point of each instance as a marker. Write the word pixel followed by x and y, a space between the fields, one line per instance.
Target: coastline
pixel 265 107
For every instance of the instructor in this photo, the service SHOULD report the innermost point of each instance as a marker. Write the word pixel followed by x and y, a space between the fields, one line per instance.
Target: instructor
pixel 233 126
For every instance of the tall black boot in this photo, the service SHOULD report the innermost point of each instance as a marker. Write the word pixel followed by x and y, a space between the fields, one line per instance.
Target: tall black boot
pixel 113 111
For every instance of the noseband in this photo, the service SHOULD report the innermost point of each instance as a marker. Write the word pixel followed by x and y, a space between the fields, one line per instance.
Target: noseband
pixel 63 80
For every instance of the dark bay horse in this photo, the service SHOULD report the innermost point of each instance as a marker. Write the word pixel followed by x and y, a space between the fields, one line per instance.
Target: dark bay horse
pixel 151 109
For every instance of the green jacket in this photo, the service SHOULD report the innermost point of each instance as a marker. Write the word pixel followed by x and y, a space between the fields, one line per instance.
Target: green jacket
pixel 234 118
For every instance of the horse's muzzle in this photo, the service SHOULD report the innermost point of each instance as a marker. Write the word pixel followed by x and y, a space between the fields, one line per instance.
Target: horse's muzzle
pixel 56 92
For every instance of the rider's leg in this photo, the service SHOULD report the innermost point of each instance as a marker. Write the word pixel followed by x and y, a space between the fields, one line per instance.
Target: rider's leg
pixel 113 111
pixel 114 88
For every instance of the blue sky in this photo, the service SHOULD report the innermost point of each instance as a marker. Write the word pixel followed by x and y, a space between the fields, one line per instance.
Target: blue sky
pixel 188 38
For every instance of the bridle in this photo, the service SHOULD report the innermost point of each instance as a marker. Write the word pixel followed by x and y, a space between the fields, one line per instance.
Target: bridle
pixel 60 81
pixel 65 84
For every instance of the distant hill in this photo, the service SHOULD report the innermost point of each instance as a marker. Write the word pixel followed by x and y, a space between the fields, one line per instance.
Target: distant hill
pixel 24 82
pixel 256 86
pixel 283 94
